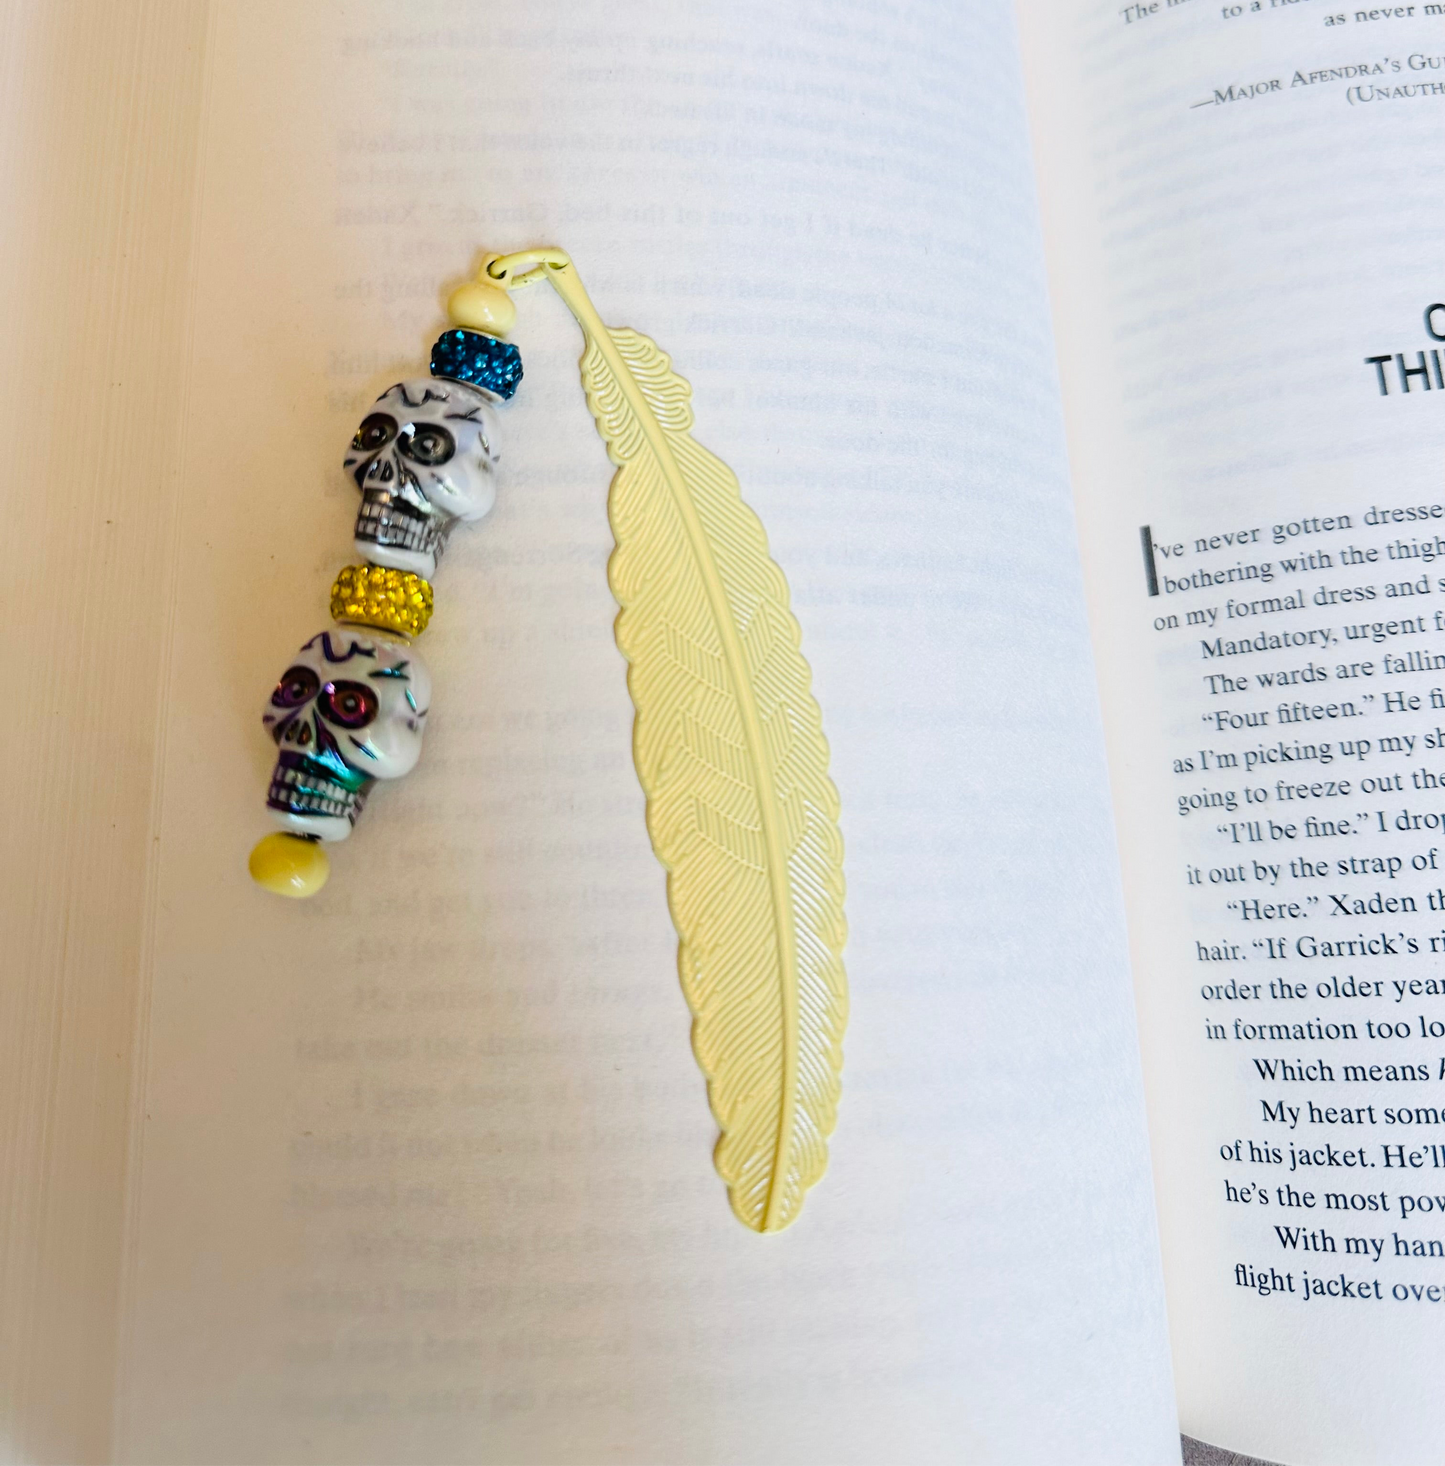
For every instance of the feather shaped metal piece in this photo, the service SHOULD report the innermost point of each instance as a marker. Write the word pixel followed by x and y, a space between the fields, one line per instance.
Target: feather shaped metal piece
pixel 730 751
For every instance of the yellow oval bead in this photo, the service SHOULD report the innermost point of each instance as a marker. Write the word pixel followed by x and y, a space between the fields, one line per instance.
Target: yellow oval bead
pixel 289 865
pixel 481 307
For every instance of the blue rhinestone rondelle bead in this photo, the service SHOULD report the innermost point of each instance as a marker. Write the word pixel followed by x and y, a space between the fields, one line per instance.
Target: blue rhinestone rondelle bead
pixel 470 356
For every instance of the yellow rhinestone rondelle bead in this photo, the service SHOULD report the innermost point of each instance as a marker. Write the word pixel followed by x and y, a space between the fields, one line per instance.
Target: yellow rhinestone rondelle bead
pixel 372 595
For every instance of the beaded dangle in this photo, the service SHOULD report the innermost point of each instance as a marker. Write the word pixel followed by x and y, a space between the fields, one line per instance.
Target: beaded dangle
pixel 351 708
pixel 728 740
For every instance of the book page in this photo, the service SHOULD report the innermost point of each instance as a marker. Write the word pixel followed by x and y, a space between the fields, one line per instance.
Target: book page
pixel 1240 201
pixel 99 122
pixel 425 1167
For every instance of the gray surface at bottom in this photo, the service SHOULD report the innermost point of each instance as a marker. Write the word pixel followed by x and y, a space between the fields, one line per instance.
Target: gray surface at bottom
pixel 1200 1453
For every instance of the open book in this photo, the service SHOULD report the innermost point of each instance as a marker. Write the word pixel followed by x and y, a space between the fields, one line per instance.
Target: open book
pixel 1084 362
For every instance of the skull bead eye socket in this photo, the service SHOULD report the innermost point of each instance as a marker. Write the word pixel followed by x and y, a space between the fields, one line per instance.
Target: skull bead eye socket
pixel 427 443
pixel 348 704
pixel 376 431
pixel 297 685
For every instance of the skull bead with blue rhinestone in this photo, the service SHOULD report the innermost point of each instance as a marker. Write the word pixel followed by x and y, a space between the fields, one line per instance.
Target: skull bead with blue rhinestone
pixel 424 457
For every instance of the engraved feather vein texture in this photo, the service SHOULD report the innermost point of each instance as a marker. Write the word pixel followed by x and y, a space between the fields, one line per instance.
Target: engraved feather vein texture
pixel 731 755
pixel 730 752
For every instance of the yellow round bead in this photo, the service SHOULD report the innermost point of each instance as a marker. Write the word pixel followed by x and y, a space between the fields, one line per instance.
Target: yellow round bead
pixel 289 865
pixel 482 307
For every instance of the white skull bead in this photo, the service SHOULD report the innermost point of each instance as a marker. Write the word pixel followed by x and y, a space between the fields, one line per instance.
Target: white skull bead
pixel 423 458
pixel 351 708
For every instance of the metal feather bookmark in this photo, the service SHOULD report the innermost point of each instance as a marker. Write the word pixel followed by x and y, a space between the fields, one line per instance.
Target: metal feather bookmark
pixel 728 739
pixel 731 755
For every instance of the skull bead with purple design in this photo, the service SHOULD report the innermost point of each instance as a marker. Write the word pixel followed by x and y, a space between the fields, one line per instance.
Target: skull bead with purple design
pixel 350 709
pixel 424 457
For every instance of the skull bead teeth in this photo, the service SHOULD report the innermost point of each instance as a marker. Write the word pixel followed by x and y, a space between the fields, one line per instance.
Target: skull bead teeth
pixel 350 709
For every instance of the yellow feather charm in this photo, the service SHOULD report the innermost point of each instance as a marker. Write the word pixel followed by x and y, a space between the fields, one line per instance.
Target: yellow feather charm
pixel 730 752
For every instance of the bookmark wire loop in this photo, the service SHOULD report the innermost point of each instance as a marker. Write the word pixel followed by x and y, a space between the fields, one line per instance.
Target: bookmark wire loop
pixel 503 268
